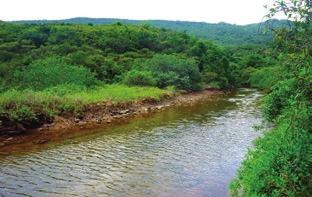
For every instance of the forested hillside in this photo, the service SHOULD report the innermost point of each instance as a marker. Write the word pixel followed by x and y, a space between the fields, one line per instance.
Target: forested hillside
pixel 222 33
pixel 42 59
pixel 43 65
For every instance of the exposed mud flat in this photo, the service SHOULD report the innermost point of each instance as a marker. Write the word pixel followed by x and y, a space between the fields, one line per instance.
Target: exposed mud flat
pixel 95 116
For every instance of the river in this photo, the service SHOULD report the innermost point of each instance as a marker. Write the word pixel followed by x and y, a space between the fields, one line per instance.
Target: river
pixel 181 151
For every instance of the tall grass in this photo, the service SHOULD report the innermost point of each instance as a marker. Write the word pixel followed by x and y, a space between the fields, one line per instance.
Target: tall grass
pixel 115 93
pixel 30 107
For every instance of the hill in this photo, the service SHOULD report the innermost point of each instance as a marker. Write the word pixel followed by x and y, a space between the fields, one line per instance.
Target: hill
pixel 221 33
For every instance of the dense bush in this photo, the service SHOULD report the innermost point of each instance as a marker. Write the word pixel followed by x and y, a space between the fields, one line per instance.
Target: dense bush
pixel 265 77
pixel 50 72
pixel 109 51
pixel 280 165
pixel 172 70
pixel 139 78
pixel 278 99
pixel 214 65
pixel 253 66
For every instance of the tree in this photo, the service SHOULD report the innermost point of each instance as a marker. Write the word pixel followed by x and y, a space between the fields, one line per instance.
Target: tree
pixel 297 10
pixel 52 71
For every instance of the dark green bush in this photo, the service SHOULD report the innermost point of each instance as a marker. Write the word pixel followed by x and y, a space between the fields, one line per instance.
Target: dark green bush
pixel 139 78
pixel 280 164
pixel 265 77
pixel 166 78
pixel 221 72
pixel 23 113
pixel 278 99
pixel 213 80
pixel 245 74
pixel 50 72
pixel 172 70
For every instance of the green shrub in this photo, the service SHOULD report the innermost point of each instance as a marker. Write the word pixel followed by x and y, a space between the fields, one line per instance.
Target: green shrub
pixel 139 78
pixel 26 107
pixel 217 62
pixel 167 78
pixel 245 74
pixel 172 70
pixel 280 164
pixel 214 80
pixel 50 72
pixel 23 113
pixel 278 99
pixel 264 78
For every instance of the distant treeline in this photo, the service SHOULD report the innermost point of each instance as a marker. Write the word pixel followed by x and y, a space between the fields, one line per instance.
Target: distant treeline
pixel 221 33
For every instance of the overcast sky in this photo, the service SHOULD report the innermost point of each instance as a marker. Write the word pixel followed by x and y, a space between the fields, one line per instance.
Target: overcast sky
pixel 213 11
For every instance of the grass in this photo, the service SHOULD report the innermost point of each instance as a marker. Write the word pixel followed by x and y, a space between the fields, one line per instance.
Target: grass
pixel 116 93
pixel 30 108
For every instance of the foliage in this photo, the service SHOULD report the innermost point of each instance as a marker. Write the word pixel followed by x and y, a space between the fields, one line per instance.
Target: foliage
pixel 297 10
pixel 265 77
pixel 50 72
pixel 254 66
pixel 280 164
pixel 139 78
pixel 221 33
pixel 172 70
pixel 108 51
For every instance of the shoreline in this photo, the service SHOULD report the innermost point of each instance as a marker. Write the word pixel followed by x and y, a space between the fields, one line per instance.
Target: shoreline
pixel 97 116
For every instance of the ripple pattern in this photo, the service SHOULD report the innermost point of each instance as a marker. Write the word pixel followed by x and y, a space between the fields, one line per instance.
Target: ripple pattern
pixel 183 151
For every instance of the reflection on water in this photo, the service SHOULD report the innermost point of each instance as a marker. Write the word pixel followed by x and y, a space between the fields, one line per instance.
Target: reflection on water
pixel 183 151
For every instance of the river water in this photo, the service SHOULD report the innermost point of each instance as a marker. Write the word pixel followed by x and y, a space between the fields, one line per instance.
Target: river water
pixel 182 151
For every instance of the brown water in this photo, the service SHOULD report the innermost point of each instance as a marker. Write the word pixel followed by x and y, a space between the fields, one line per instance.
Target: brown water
pixel 182 151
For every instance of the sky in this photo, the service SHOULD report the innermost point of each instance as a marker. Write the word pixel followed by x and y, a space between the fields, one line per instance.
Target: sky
pixel 213 11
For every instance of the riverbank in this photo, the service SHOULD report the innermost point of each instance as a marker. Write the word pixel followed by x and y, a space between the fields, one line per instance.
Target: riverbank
pixel 97 115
